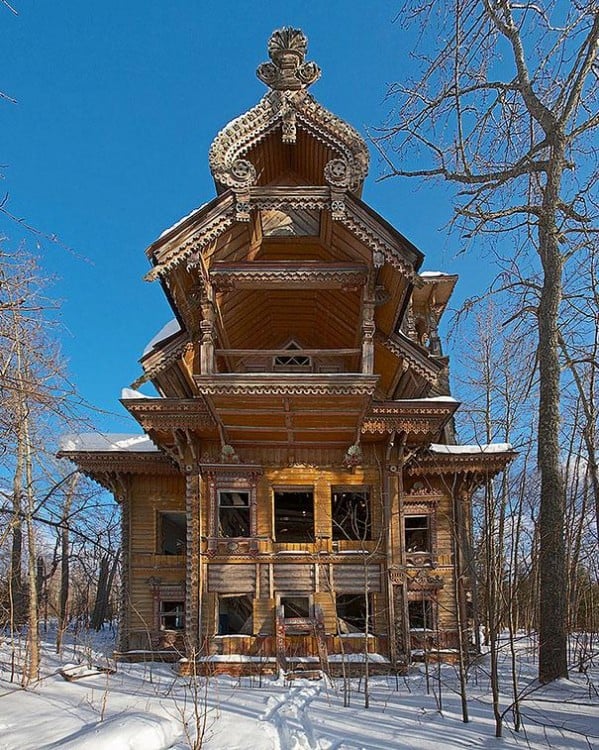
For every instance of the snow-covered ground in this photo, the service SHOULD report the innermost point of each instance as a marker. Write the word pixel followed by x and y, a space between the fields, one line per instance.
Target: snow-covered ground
pixel 147 707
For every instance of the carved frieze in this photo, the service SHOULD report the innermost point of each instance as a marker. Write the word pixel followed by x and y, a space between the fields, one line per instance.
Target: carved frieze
pixel 480 465
pixel 286 275
pixel 412 418
pixel 259 385
pixel 168 414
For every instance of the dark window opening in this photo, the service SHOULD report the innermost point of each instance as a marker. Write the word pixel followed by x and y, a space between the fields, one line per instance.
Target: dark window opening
pixel 294 516
pixel 233 513
pixel 172 615
pixel 351 613
pixel 417 534
pixel 172 533
pixel 351 516
pixel 235 615
pixel 295 607
pixel 420 614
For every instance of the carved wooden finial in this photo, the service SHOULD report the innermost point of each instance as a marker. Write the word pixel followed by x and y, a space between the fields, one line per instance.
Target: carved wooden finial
pixel 288 70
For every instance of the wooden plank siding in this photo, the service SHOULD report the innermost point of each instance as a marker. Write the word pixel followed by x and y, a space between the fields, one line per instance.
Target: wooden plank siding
pixel 321 569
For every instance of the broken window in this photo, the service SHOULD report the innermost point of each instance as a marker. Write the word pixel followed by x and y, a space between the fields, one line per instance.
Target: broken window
pixel 294 516
pixel 295 607
pixel 235 615
pixel 172 533
pixel 351 515
pixel 351 613
pixel 417 536
pixel 420 614
pixel 233 513
pixel 172 615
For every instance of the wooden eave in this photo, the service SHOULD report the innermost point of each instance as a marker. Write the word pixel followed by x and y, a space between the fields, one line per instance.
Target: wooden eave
pixel 419 421
pixel 109 468
pixel 288 409
pixel 417 357
pixel 478 465
pixel 169 414
pixel 165 366
pixel 197 231
pixel 434 292
pixel 390 238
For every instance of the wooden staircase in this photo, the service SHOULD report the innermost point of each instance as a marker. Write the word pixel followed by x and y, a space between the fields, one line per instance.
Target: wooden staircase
pixel 314 626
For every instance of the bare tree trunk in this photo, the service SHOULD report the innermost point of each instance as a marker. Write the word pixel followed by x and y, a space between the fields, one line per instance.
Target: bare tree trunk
pixel 552 558
pixel 63 605
pixel 31 671
pixel 105 581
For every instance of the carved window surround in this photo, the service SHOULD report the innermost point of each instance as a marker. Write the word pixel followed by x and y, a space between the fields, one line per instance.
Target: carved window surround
pixel 420 504
pixel 231 478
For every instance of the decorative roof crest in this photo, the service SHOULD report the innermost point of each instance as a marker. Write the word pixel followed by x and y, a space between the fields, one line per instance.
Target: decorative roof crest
pixel 288 70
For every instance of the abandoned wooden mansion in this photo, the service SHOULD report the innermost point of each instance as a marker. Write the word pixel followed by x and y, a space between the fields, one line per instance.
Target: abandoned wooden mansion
pixel 296 492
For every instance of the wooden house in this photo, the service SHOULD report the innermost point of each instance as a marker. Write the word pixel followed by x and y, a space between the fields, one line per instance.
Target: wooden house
pixel 296 491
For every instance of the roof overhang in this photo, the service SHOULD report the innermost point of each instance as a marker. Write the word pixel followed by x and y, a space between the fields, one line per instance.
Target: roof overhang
pixel 289 409
pixel 419 420
pixel 476 464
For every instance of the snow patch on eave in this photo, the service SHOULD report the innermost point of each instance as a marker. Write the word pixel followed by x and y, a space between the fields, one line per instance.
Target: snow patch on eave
pixel 131 393
pixel 178 223
pixel 437 399
pixel 437 276
pixel 103 442
pixel 165 332
pixel 471 449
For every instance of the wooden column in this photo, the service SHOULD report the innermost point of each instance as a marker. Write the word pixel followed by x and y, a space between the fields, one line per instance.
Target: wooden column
pixel 193 560
pixel 368 329
pixel 207 337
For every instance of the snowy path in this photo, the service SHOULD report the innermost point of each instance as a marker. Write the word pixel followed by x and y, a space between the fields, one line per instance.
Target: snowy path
pixel 289 715
pixel 148 707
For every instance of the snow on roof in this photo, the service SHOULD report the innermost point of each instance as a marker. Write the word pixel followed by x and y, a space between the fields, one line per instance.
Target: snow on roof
pixel 100 442
pixel 447 399
pixel 460 449
pixel 181 221
pixel 431 274
pixel 132 393
pixel 169 329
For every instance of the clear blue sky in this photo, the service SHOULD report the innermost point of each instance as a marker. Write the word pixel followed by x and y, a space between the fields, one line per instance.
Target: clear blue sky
pixel 118 103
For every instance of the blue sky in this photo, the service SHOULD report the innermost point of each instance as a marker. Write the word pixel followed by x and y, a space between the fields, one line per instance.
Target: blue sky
pixel 117 104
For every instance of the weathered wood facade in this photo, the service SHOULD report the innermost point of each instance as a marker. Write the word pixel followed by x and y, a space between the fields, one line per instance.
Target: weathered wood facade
pixel 301 495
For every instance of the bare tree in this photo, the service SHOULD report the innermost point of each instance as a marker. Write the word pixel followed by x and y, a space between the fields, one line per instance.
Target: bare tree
pixel 506 107
pixel 37 403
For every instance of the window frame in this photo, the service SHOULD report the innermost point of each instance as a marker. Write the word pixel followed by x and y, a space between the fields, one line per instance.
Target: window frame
pixel 429 533
pixel 161 514
pixel 178 613
pixel 430 602
pixel 288 490
pixel 247 507
pixel 352 490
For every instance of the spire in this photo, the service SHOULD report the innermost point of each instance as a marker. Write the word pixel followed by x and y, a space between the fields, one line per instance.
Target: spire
pixel 341 158
pixel 288 70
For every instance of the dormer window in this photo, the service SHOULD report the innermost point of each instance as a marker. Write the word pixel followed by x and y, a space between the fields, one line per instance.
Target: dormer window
pixel 292 362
